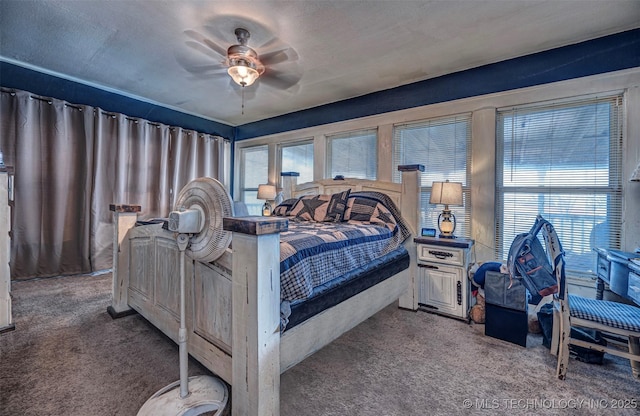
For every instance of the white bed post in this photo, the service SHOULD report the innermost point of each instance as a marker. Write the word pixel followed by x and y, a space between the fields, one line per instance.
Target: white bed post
pixel 289 182
pixel 124 218
pixel 410 208
pixel 6 320
pixel 255 354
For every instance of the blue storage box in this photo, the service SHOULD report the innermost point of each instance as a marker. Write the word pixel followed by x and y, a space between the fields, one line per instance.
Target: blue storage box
pixel 506 308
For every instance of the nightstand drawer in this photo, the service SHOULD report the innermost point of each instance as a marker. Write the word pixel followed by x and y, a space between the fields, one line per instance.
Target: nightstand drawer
pixel 438 254
pixel 634 287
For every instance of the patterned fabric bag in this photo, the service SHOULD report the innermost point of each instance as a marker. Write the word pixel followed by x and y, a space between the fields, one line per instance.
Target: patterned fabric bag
pixel 529 262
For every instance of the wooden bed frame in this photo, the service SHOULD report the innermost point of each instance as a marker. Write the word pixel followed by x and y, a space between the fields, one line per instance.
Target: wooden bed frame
pixel 233 304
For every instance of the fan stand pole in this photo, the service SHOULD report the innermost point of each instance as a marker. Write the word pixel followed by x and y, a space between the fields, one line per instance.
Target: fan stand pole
pixel 183 241
pixel 208 394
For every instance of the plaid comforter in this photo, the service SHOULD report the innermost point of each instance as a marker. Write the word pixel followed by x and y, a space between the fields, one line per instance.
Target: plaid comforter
pixel 313 253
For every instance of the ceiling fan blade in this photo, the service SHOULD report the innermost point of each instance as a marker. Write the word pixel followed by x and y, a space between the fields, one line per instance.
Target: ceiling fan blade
pixel 202 49
pixel 200 38
pixel 269 43
pixel 199 65
pixel 212 69
pixel 216 47
pixel 276 57
pixel 278 79
pixel 225 35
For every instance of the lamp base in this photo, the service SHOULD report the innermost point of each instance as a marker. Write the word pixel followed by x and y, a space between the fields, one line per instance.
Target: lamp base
pixel 267 209
pixel 446 223
pixel 446 236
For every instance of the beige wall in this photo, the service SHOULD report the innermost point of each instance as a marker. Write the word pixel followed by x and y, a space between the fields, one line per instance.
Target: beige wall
pixel 483 109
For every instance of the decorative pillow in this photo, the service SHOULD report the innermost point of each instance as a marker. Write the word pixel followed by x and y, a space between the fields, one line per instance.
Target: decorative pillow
pixel 284 208
pixel 370 211
pixel 363 206
pixel 321 208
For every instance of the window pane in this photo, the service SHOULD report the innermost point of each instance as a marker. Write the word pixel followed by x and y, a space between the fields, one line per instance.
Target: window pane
pixel 562 161
pixel 254 171
pixel 353 155
pixel 443 146
pixel 558 146
pixel 299 158
pixel 254 205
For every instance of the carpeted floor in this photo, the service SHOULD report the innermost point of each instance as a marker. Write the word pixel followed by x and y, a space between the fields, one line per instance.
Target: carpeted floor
pixel 68 357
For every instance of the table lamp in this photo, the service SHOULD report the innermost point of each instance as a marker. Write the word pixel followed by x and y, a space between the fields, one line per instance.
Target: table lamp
pixel 446 193
pixel 268 193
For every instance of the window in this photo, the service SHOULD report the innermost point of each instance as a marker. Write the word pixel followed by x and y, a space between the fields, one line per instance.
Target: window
pixel 298 157
pixel 353 154
pixel 253 172
pixel 563 161
pixel 443 145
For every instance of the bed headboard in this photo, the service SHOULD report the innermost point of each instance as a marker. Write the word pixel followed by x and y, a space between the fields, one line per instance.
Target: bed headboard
pixel 405 195
pixel 330 186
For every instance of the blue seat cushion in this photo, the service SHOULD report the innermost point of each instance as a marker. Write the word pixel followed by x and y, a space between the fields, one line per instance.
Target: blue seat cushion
pixel 612 314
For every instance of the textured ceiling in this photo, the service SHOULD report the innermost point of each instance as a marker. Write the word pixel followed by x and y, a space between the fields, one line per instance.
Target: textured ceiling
pixel 160 51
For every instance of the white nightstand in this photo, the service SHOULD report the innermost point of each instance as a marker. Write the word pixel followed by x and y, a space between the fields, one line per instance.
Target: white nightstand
pixel 443 283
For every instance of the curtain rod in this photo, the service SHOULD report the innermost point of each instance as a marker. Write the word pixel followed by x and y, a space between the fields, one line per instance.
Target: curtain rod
pixel 49 100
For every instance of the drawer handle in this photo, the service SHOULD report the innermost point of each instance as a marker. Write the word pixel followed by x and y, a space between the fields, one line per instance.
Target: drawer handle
pixel 440 254
pixel 427 266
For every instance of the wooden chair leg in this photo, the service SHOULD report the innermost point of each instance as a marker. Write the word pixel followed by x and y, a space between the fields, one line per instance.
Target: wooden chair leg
pixel 634 348
pixel 563 350
pixel 555 334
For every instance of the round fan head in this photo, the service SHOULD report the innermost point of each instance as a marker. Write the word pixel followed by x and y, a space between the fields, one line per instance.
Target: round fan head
pixel 210 197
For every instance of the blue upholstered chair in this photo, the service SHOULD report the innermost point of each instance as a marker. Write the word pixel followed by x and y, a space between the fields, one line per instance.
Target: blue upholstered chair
pixel 618 322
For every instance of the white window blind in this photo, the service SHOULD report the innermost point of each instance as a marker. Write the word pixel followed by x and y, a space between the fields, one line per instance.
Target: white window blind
pixel 298 157
pixel 253 172
pixel 443 146
pixel 563 161
pixel 353 154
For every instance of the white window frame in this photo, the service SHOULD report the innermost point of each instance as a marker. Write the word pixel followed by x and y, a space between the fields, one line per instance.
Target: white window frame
pixel 428 212
pixel 613 190
pixel 242 169
pixel 303 142
pixel 347 136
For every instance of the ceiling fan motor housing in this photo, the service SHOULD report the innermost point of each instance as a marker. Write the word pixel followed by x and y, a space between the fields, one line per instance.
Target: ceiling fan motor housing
pixel 245 56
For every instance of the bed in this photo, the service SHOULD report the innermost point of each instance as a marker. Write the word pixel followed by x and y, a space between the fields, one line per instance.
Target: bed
pixel 247 322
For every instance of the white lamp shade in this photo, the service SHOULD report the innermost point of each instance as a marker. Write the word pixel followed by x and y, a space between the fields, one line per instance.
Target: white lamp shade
pixel 267 192
pixel 446 193
pixel 243 74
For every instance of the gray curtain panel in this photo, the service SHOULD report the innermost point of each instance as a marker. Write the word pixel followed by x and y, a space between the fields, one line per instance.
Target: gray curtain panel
pixel 131 167
pixel 194 155
pixel 72 161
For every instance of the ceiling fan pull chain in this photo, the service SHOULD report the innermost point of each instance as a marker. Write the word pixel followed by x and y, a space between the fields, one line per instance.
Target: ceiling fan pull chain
pixel 243 100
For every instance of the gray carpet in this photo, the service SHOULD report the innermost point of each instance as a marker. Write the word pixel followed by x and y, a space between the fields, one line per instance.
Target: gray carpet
pixel 68 357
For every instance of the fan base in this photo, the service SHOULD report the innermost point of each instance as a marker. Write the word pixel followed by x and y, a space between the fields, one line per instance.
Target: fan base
pixel 206 394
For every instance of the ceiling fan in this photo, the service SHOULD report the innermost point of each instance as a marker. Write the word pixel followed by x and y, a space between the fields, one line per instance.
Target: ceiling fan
pixel 241 62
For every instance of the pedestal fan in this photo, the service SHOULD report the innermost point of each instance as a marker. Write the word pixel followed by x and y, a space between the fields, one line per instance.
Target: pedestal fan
pixel 197 220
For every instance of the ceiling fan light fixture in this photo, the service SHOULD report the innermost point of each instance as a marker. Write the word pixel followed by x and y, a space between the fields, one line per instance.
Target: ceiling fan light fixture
pixel 243 72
